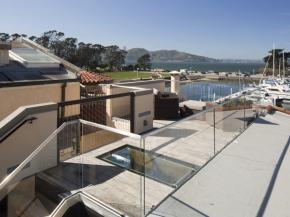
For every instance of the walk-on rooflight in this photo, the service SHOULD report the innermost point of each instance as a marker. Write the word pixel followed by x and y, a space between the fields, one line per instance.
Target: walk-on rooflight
pixel 32 58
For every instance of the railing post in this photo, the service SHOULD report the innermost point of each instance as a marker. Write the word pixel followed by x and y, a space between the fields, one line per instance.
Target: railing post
pixel 58 115
pixel 244 99
pixel 58 139
pixel 142 184
pixel 132 111
pixel 214 143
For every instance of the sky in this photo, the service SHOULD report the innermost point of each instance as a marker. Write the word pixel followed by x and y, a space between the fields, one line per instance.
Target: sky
pixel 235 29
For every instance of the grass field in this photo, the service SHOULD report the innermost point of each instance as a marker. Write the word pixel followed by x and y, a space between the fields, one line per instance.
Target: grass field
pixel 128 75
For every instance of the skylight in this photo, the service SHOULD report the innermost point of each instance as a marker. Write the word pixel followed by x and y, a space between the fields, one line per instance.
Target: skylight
pixel 32 58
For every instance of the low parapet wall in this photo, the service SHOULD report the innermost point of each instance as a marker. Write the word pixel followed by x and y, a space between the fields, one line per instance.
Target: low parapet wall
pixel 143 107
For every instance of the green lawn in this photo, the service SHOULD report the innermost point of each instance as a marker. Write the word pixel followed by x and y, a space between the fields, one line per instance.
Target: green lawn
pixel 127 75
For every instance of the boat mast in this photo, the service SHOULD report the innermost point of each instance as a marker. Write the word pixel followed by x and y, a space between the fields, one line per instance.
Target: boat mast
pixel 273 60
pixel 279 68
pixel 283 64
pixel 265 68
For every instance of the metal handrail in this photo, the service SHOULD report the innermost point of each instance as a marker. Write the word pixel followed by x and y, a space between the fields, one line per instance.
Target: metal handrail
pixel 82 194
pixel 111 129
pixel 62 105
pixel 4 137
pixel 94 99
pixel 8 178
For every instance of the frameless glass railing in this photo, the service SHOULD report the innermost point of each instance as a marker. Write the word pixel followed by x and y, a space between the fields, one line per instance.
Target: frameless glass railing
pixel 191 143
pixel 69 161
pixel 131 173
pixel 20 190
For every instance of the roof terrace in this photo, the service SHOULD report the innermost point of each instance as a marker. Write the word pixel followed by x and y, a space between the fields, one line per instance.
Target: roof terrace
pixel 211 163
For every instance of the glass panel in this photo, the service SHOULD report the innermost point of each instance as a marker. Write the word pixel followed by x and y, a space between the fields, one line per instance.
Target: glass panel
pixel 108 181
pixel 157 167
pixel 32 55
pixel 186 146
pixel 194 141
pixel 35 190
pixel 68 162
pixel 256 106
pixel 229 121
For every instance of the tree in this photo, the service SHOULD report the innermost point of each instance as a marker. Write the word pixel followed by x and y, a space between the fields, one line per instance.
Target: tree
pixel 65 49
pixel 32 38
pixel 276 54
pixel 15 36
pixel 144 62
pixel 114 57
pixel 50 38
pixel 88 56
pixel 4 36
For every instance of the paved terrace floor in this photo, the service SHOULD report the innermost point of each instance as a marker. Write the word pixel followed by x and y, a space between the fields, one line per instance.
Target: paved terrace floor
pixel 189 141
pixel 250 177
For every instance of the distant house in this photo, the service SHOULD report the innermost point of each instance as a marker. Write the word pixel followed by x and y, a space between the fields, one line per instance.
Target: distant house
pixel 223 74
pixel 91 83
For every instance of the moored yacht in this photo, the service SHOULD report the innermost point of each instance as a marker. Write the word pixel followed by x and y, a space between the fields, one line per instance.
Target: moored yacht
pixel 275 88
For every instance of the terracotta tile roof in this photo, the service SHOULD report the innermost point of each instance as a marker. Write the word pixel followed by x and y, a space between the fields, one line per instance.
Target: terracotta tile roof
pixel 94 78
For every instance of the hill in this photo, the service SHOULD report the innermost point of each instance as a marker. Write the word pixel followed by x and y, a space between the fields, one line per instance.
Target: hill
pixel 166 56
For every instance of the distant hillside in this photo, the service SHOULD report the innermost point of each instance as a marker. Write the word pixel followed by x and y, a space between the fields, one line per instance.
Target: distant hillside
pixel 166 56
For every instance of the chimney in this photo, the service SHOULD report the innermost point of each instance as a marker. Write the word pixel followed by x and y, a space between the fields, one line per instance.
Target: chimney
pixel 175 81
pixel 4 53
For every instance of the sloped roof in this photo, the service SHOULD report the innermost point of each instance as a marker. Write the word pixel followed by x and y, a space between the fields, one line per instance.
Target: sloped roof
pixel 94 78
pixel 29 63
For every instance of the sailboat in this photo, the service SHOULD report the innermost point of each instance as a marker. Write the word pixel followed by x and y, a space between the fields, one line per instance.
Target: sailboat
pixel 277 88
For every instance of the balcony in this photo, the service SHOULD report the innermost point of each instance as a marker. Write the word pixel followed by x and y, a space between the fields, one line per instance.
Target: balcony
pixel 129 174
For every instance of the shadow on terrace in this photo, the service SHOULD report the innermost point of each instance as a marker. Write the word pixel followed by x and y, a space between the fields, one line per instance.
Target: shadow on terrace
pixel 132 173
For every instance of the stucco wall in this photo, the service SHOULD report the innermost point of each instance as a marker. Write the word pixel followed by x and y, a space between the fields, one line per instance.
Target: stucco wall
pixel 14 97
pixel 25 140
pixel 98 139
pixel 119 107
pixel 20 197
pixel 148 84
pixel 144 113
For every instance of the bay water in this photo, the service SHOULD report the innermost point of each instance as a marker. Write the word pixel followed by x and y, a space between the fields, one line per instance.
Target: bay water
pixel 219 67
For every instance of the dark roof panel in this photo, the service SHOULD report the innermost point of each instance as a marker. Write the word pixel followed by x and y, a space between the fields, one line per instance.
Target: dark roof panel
pixel 3 78
pixel 23 75
pixel 17 72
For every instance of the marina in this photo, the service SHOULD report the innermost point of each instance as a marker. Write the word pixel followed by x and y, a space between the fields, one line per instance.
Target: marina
pixel 145 109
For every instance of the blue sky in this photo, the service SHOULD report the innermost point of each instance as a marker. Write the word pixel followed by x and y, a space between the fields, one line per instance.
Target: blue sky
pixel 243 29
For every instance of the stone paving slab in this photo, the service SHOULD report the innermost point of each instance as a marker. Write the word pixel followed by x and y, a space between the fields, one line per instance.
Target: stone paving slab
pixel 245 179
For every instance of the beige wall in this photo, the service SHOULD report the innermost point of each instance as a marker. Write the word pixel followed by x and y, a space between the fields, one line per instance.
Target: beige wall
pixel 98 139
pixel 14 97
pixel 4 57
pixel 144 104
pixel 19 145
pixel 175 84
pixel 121 106
pixel 20 197
pixel 117 107
pixel 156 85
pixel 149 84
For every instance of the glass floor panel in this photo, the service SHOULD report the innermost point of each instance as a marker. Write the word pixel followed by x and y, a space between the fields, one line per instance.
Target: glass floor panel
pixel 161 168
